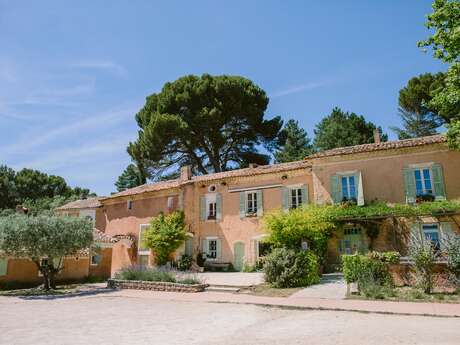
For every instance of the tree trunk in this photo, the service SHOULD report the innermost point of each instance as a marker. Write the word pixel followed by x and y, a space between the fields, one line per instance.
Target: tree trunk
pixel 52 281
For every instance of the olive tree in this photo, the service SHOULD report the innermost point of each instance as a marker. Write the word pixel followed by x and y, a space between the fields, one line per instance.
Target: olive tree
pixel 45 240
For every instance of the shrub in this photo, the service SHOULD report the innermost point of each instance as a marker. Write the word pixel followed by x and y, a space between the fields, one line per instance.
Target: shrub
pixel 184 263
pixel 452 252
pixel 146 274
pixel 289 268
pixel 165 234
pixel 247 267
pixel 189 280
pixel 200 259
pixel 387 257
pixel 424 255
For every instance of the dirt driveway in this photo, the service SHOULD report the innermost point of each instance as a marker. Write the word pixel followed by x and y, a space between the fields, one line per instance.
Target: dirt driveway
pixel 119 318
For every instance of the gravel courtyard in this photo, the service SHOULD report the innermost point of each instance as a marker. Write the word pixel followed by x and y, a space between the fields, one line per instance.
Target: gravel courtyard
pixel 114 318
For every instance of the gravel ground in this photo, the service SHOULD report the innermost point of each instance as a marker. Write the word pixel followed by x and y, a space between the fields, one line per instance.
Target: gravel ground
pixel 117 319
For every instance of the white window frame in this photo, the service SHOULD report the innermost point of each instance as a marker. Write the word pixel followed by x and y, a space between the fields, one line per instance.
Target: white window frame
pixel 208 249
pixel 423 180
pixel 170 202
pixel 347 178
pixel 211 205
pixel 295 195
pixel 254 203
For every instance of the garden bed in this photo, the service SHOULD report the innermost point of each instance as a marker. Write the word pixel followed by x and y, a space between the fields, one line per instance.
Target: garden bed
pixel 155 285
pixel 409 294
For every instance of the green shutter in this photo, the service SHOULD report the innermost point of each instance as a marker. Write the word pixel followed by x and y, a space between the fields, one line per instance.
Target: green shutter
pixel 260 203
pixel 360 190
pixel 218 207
pixel 57 262
pixel 409 185
pixel 204 246
pixel 336 192
pixel 438 181
pixel 202 208
pixel 242 204
pixel 415 231
pixel 286 198
pixel 218 249
pixel 340 243
pixel 304 193
pixel 446 231
pixel 3 266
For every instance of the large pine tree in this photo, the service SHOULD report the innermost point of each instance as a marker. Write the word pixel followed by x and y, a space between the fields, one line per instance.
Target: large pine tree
pixel 294 143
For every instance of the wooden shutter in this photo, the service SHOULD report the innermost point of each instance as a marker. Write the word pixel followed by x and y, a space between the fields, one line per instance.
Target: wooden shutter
pixel 304 193
pixel 415 231
pixel 204 246
pixel 3 266
pixel 242 204
pixel 409 185
pixel 218 249
pixel 286 199
pixel 260 203
pixel 359 190
pixel 202 208
pixel 57 262
pixel 446 231
pixel 438 182
pixel 218 207
pixel 336 192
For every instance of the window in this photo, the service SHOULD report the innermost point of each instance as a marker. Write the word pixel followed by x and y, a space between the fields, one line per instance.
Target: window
pixel 296 197
pixel 348 188
pixel 352 241
pixel 251 203
pixel 212 249
pixel 170 202
pixel 212 188
pixel 431 234
pixel 423 183
pixel 95 259
pixel 141 247
pixel 212 210
pixel 130 204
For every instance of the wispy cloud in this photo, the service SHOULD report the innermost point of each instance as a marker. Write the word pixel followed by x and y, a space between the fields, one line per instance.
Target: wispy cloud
pixel 298 88
pixel 38 138
pixel 105 65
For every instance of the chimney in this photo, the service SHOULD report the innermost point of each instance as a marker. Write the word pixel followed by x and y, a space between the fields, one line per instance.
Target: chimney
pixel 186 173
pixel 377 136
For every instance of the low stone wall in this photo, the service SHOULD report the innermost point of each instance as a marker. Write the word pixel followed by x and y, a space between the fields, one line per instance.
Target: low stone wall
pixel 154 286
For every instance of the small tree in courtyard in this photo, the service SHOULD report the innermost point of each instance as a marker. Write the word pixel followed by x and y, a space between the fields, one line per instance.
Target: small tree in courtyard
pixel 165 235
pixel 45 240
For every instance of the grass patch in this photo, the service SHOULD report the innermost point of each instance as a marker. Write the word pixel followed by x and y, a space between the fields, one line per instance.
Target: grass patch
pixel 410 294
pixel 267 290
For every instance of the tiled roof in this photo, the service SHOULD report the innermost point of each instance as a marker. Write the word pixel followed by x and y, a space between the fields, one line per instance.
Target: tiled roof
pixel 263 169
pixel 259 170
pixel 81 204
pixel 149 187
pixel 100 237
pixel 388 145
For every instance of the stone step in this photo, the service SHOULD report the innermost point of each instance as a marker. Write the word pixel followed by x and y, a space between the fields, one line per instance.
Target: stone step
pixel 215 288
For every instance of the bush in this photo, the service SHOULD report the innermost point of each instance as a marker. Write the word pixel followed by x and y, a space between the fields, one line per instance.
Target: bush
pixel 165 234
pixel 289 268
pixel 146 274
pixel 184 263
pixel 424 255
pixel 452 252
pixel 387 257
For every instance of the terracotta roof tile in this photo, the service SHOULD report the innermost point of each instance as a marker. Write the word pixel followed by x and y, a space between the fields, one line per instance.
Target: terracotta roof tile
pixel 100 237
pixel 388 145
pixel 149 187
pixel 81 204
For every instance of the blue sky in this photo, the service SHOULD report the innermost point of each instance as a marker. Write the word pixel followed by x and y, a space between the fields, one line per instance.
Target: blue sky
pixel 74 73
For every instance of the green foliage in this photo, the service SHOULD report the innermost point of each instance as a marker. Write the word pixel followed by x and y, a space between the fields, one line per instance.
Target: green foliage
pixel 165 235
pixel 445 42
pixel 453 135
pixel 51 237
pixel 146 274
pixel 344 129
pixel 36 190
pixel 289 268
pixel 445 21
pixel 452 253
pixel 416 125
pixel 213 123
pixel 294 144
pixel 424 256
pixel 312 223
pixel 391 257
pixel 184 263
pixel 248 268
pixel 131 177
